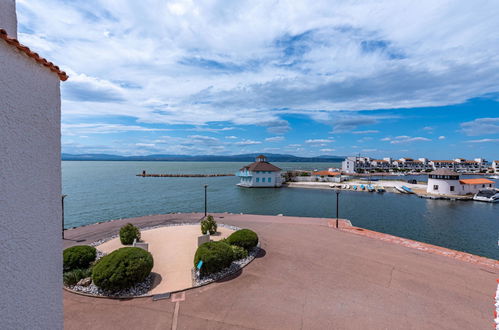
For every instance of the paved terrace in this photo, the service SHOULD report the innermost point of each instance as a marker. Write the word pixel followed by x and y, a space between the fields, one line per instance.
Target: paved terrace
pixel 309 276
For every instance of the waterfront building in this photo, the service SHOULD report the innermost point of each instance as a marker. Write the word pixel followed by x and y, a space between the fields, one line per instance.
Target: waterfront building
pixel 261 173
pixel 30 183
pixel 366 164
pixel 328 176
pixel 447 182
pixel 495 166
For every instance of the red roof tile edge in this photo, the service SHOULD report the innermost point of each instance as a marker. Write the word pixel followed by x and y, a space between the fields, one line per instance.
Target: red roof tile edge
pixel 51 66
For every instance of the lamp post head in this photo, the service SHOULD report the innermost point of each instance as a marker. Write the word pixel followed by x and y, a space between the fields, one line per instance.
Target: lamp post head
pixel 205 186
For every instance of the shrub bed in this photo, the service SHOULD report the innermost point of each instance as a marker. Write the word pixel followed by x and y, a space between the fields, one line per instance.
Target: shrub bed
pixel 244 238
pixel 128 233
pixel 215 256
pixel 78 257
pixel 122 268
pixel 239 252
pixel 209 225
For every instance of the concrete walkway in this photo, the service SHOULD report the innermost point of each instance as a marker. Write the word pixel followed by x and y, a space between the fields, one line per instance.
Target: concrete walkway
pixel 310 276
pixel 173 250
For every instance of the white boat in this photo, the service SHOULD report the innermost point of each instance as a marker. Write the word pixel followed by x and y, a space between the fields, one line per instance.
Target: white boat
pixel 487 195
pixel 400 190
pixel 495 177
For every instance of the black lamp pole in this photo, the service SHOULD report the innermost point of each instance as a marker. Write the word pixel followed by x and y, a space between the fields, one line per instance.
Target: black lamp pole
pixel 205 199
pixel 62 202
pixel 337 206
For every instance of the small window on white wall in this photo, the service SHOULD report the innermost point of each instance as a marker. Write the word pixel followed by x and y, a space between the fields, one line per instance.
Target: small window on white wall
pixel 435 187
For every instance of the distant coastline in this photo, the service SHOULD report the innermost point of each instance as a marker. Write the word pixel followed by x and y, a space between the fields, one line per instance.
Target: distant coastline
pixel 200 158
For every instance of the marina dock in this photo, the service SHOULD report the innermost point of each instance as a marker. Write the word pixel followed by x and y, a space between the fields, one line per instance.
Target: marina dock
pixel 179 175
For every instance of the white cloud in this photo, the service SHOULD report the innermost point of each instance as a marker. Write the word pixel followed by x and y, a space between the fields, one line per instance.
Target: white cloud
pixel 327 150
pixel 231 137
pixel 481 126
pixel 102 128
pixel 318 141
pixel 405 139
pixel 187 62
pixel 275 139
pixel 483 141
pixel 247 142
pixel 441 137
pixel 371 131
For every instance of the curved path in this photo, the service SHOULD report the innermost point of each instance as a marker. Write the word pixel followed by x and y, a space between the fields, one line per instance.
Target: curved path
pixel 309 276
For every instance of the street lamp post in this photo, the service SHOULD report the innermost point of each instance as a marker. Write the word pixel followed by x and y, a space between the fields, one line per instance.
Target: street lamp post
pixel 205 199
pixel 337 206
pixel 62 202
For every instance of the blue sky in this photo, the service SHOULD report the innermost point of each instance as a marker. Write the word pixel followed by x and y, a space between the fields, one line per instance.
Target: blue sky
pixel 379 78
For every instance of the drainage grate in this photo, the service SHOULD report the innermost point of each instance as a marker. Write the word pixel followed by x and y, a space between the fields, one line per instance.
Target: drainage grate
pixel 161 296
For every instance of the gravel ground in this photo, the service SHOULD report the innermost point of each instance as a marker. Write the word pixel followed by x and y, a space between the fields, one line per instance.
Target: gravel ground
pixel 139 289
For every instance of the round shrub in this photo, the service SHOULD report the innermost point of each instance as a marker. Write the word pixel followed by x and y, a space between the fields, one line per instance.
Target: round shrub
pixel 79 256
pixel 128 233
pixel 209 225
pixel 239 252
pixel 122 268
pixel 215 255
pixel 244 238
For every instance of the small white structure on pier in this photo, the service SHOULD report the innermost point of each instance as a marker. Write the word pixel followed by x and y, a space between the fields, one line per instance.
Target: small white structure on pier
pixel 446 182
pixel 260 174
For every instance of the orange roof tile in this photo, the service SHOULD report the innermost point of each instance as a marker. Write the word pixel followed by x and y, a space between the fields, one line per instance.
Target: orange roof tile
pixel 15 43
pixel 326 173
pixel 476 181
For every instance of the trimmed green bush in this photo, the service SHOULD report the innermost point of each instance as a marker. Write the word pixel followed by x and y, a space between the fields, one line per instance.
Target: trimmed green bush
pixel 122 268
pixel 79 256
pixel 215 255
pixel 239 252
pixel 244 238
pixel 209 225
pixel 128 233
pixel 74 276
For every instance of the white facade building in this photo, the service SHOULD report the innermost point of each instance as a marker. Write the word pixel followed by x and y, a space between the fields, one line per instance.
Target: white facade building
pixel 495 166
pixel 30 183
pixel 446 182
pixel 366 164
pixel 260 174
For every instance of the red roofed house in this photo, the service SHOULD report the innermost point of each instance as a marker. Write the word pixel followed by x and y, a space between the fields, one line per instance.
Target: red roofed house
pixel 30 183
pixel 260 174
pixel 447 182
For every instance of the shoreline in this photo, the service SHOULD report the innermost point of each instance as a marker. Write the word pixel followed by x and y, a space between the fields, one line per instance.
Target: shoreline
pixel 390 186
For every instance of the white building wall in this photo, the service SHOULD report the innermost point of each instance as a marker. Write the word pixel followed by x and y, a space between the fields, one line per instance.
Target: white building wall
pixel 30 191
pixel 8 19
pixel 348 165
pixel 443 187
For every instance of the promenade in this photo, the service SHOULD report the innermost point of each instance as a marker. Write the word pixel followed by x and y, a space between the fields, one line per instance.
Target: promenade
pixel 308 276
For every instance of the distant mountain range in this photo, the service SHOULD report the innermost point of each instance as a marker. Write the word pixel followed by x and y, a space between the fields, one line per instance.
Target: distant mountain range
pixel 203 158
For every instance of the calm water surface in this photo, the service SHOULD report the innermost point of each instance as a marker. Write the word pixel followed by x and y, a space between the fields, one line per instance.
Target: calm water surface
pixel 99 191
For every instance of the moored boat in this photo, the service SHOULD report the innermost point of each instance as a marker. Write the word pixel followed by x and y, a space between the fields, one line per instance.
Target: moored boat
pixel 380 189
pixel 487 195
pixel 408 190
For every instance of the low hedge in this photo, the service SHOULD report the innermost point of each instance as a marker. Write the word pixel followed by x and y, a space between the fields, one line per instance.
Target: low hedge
pixel 122 268
pixel 128 233
pixel 244 238
pixel 78 257
pixel 215 256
